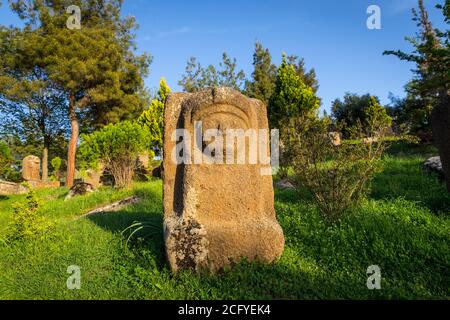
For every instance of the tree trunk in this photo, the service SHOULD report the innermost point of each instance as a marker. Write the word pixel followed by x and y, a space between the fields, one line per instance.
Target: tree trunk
pixel 440 121
pixel 45 160
pixel 73 143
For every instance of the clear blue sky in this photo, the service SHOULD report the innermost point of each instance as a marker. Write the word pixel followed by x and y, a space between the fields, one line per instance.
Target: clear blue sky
pixel 331 35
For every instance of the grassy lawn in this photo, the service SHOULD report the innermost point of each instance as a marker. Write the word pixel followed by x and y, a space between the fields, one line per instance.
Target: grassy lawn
pixel 404 227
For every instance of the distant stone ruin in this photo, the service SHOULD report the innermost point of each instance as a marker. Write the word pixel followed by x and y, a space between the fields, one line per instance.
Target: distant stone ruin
pixel 31 168
pixel 31 173
pixel 335 138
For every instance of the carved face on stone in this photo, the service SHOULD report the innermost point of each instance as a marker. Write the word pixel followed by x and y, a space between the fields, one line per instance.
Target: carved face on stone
pixel 223 190
pixel 217 212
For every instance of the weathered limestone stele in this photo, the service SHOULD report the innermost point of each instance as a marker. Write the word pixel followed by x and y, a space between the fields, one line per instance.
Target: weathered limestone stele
pixel 215 214
pixel 31 168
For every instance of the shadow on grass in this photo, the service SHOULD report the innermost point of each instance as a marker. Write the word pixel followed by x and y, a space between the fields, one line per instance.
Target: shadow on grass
pixel 146 214
pixel 4 198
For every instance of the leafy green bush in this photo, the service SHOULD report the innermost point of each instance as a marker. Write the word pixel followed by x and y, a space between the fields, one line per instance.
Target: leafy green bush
pixel 152 118
pixel 351 110
pixel 26 223
pixel 292 98
pixel 56 164
pixel 117 147
pixel 338 176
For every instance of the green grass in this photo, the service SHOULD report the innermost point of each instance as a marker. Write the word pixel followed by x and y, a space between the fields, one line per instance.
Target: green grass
pixel 404 227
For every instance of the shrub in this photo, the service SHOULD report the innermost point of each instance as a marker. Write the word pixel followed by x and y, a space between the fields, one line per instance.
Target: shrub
pixel 26 223
pixel 292 98
pixel 338 176
pixel 152 119
pixel 351 110
pixel 56 164
pixel 116 146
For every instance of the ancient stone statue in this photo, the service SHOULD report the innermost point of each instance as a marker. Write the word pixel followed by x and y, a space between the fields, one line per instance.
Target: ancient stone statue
pixel 218 206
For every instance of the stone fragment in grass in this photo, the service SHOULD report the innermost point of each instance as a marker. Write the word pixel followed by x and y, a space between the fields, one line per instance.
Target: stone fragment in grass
pixel 79 189
pixel 434 164
pixel 284 184
pixel 112 207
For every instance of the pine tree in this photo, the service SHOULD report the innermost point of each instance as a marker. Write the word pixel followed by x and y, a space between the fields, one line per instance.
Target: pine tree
pixel 291 98
pixel 310 77
pixel 264 75
pixel 197 78
pixel 191 78
pixel 431 81
pixel 95 65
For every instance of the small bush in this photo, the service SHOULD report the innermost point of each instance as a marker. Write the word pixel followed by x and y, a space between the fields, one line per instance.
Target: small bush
pixel 116 146
pixel 338 176
pixel 56 164
pixel 26 223
pixel 152 118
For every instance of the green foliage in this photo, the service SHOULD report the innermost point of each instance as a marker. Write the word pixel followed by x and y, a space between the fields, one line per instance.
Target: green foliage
pixel 31 107
pixel 95 63
pixel 431 76
pixel 264 75
pixel 395 229
pixel 6 160
pixel 196 77
pixel 352 110
pixel 27 223
pixel 56 164
pixel 152 119
pixel 95 67
pixel 376 118
pixel 291 97
pixel 308 77
pixel 116 146
pixel 338 176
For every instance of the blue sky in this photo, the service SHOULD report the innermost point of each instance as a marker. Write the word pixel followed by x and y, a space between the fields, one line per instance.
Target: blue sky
pixel 331 35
